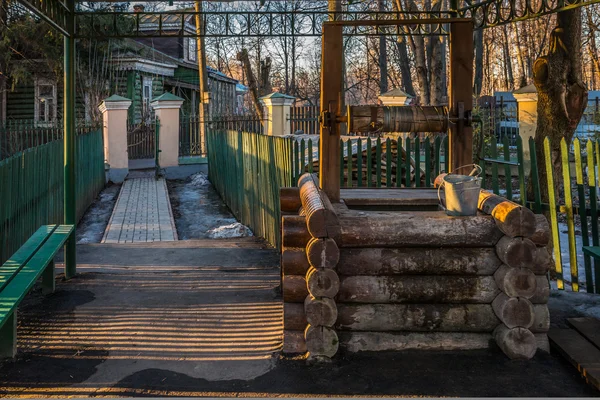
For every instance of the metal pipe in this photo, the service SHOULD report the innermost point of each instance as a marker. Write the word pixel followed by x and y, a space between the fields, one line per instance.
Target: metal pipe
pixel 70 200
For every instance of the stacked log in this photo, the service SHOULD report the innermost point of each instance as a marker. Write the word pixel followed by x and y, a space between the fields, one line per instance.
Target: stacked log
pixel 521 305
pixel 310 283
pixel 419 280
pixel 377 281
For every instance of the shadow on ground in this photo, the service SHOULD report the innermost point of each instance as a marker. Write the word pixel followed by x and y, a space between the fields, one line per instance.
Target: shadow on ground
pixel 204 318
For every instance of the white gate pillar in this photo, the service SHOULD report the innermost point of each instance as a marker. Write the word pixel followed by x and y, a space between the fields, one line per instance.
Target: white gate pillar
pixel 527 115
pixel 278 113
pixel 114 130
pixel 166 107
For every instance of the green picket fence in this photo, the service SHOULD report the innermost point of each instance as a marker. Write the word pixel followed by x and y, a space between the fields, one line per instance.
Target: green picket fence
pixel 31 187
pixel 247 169
pixel 388 162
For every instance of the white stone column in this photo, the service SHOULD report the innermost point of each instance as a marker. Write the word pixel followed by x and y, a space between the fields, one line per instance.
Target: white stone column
pixel 114 130
pixel 277 107
pixel 527 100
pixel 167 108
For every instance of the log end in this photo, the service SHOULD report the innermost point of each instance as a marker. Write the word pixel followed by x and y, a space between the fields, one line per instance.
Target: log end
pixel 321 341
pixel 516 343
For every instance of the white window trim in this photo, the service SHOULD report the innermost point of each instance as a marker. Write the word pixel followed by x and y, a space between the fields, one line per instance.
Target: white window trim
pixel 36 110
pixel 188 54
pixel 146 107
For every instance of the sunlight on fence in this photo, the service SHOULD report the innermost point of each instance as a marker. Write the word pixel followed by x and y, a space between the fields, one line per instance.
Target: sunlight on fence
pixel 31 187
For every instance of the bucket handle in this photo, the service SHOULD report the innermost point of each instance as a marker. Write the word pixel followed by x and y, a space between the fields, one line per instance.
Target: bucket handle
pixel 442 204
pixel 477 170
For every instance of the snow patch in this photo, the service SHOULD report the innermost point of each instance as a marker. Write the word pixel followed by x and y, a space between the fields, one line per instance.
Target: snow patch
pixel 199 180
pixel 234 230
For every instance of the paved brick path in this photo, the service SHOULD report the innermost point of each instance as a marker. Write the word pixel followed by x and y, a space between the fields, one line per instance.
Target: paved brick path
pixel 142 213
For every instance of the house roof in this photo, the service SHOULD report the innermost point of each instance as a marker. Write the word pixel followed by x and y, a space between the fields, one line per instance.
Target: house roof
pixel 133 49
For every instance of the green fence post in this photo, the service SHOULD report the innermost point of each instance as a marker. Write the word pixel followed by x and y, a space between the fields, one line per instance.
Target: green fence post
pixel 507 169
pixel 593 186
pixel 359 175
pixel 369 163
pixel 310 156
pixel 378 156
pixel 494 153
pixel 535 178
pixel 427 162
pixel 583 214
pixel 437 146
pixel 399 162
pixel 521 160
pixel 296 163
pixel 407 165
pixel 417 162
pixel 388 163
pixel 341 163
pixel 349 147
pixel 303 156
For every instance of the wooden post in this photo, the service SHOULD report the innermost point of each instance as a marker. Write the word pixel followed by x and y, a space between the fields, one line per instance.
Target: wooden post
pixel 332 56
pixel 461 93
pixel 202 73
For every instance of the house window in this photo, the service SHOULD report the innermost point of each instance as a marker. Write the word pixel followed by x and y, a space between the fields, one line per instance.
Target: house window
pixel 192 52
pixel 45 101
pixel 146 95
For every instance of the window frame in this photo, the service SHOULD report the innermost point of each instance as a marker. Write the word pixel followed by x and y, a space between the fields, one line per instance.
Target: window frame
pixel 50 112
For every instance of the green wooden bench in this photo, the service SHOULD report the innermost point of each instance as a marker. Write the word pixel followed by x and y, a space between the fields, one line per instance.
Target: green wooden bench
pixel 592 251
pixel 19 273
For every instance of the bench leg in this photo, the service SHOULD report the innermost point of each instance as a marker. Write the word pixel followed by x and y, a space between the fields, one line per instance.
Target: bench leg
pixel 48 281
pixel 8 337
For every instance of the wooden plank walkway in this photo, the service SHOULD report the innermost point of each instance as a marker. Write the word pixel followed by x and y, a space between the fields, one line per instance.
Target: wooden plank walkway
pixel 142 213
pixel 579 347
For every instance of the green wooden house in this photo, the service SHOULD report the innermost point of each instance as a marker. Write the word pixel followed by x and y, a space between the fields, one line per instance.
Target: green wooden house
pixel 140 69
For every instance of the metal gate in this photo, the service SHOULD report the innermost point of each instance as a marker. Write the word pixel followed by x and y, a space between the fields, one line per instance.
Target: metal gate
pixel 141 140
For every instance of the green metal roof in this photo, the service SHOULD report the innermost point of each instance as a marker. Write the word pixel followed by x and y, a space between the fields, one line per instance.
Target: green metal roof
pixel 116 97
pixel 167 96
pixel 278 95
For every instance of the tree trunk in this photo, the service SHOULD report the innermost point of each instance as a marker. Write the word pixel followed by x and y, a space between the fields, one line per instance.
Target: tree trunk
pixel 252 85
pixel 404 62
pixel 562 94
pixel 520 58
pixel 383 72
pixel 510 84
pixel 593 50
pixel 418 47
pixel 436 64
pixel 478 82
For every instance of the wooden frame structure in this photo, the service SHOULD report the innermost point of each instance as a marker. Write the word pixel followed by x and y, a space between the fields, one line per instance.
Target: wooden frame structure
pixel 332 116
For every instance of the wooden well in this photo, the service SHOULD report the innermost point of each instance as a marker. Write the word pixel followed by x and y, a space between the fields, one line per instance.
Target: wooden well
pixel 368 275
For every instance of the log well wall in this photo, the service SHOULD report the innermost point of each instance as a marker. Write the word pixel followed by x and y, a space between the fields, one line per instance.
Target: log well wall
pixel 376 281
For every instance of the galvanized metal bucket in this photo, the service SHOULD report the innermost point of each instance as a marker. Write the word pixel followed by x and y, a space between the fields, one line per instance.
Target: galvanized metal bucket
pixel 461 192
